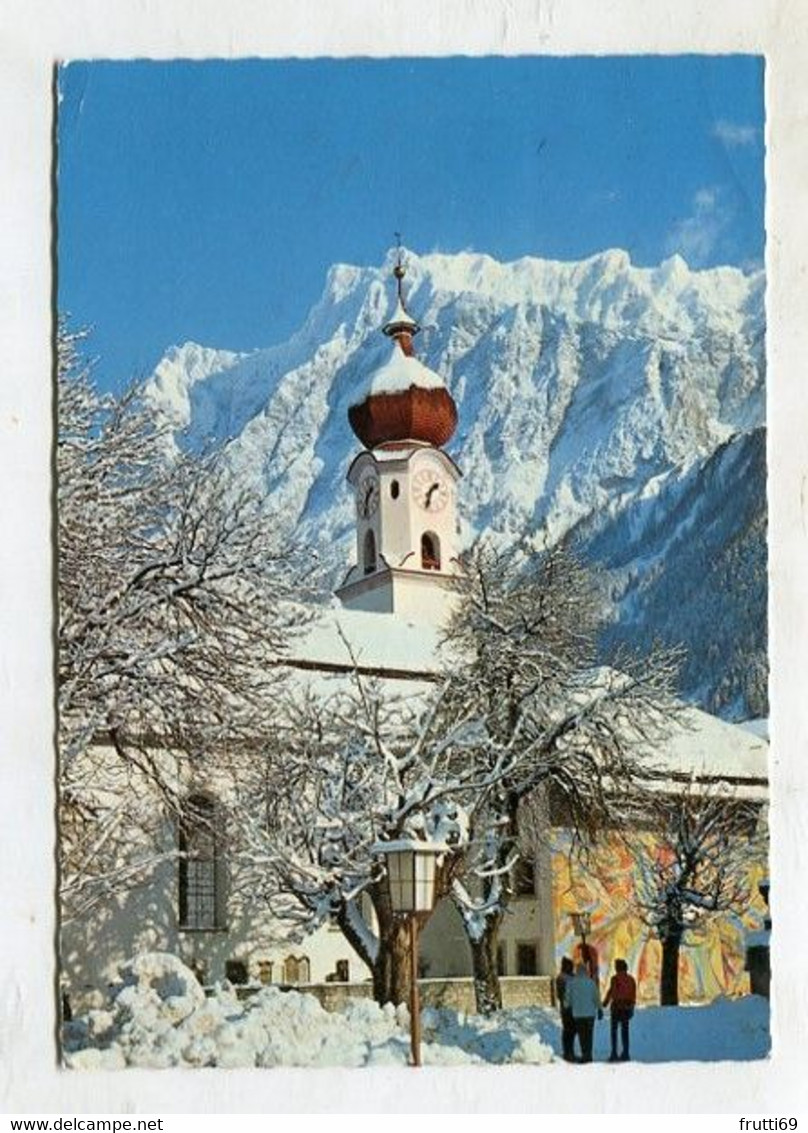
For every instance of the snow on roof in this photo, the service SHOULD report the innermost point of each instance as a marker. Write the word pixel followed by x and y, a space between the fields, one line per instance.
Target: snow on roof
pixel 712 749
pixel 758 727
pixel 700 746
pixel 400 316
pixel 398 373
pixel 383 643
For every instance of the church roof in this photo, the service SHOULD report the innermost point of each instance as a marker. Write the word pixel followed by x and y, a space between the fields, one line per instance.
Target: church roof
pixel 401 319
pixel 700 747
pixel 403 400
pixel 382 644
pixel 398 373
pixel 712 750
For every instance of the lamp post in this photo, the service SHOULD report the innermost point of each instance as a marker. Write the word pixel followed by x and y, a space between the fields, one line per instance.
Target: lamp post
pixel 411 877
pixel 582 923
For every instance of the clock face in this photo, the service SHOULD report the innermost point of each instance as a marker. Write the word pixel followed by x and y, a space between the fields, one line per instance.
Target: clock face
pixel 430 489
pixel 367 495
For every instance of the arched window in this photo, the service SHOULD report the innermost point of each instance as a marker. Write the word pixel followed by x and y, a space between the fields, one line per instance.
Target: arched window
pixel 296 970
pixel 201 904
pixel 369 556
pixel 430 551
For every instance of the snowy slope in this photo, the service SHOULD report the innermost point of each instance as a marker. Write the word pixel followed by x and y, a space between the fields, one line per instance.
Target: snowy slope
pixel 621 405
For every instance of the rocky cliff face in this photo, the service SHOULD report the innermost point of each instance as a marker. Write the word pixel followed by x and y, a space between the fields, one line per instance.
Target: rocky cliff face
pixel 621 407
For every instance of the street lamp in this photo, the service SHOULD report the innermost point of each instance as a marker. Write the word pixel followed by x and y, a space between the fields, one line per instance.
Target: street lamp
pixel 582 923
pixel 411 877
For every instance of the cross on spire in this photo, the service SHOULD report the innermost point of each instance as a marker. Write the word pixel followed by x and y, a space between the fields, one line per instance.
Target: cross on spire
pixel 401 326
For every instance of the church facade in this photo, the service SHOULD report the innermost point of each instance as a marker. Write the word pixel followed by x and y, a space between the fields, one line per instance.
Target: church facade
pixel 392 603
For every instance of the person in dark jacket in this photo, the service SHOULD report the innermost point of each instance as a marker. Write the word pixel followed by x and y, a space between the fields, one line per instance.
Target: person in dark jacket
pixel 567 1021
pixel 583 998
pixel 622 995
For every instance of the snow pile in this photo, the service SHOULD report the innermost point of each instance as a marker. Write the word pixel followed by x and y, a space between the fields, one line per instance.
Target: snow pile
pixel 161 1017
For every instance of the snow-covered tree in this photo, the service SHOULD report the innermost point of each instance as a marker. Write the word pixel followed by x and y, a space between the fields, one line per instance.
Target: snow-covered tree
pixel 695 867
pixel 359 766
pixel 554 722
pixel 520 708
pixel 174 605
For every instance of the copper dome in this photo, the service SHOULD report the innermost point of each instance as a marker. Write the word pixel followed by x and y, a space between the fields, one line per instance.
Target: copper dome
pixel 414 414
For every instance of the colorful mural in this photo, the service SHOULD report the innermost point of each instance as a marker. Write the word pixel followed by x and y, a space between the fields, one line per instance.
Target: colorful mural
pixel 711 963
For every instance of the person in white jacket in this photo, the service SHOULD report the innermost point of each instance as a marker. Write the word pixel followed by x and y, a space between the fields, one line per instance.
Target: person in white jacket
pixel 583 1000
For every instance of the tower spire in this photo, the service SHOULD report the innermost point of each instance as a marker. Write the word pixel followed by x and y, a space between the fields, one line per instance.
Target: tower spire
pixel 402 327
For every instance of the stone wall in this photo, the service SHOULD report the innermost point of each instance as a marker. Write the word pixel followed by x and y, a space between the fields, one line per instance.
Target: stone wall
pixel 517 991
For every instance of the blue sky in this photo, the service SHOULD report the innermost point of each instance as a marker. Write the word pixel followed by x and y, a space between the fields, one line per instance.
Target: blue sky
pixel 205 201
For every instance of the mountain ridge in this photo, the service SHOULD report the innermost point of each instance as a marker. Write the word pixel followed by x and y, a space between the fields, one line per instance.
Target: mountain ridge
pixel 594 399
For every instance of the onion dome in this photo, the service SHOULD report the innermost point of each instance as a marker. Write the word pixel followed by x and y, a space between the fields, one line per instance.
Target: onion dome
pixel 403 401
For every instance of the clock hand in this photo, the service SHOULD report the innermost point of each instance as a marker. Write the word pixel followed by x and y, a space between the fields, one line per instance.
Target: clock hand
pixel 434 488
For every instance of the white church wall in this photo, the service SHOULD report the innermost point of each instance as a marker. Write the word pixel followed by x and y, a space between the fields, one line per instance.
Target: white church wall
pixel 444 947
pixel 421 597
pixel 442 522
pixel 145 919
pixel 395 516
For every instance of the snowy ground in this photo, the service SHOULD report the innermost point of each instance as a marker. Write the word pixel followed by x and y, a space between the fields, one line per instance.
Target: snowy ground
pixel 161 1017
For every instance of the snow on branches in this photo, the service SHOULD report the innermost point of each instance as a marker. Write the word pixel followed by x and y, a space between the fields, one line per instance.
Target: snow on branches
pixel 520 709
pixel 175 602
pixel 696 867
pixel 523 643
pixel 360 765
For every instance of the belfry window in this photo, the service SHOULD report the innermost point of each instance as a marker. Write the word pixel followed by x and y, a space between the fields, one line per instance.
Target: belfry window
pixel 200 866
pixel 430 551
pixel 369 556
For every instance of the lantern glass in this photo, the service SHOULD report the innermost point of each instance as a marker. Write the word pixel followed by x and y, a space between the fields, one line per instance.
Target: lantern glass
pixel 411 875
pixel 401 872
pixel 424 881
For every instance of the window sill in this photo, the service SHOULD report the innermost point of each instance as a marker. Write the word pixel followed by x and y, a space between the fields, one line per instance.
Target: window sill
pixel 194 929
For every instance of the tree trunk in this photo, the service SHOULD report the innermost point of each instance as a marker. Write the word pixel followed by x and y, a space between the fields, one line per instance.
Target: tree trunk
pixel 669 978
pixel 391 973
pixel 487 992
pixel 390 964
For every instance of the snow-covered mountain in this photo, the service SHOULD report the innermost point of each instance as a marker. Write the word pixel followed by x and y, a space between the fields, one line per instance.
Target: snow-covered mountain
pixel 621 406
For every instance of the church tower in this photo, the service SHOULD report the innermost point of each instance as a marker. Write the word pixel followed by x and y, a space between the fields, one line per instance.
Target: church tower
pixel 404 484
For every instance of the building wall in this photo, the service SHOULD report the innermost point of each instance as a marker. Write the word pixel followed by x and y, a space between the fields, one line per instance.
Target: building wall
pixel 146 919
pixel 423 597
pixel 712 964
pixel 444 947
